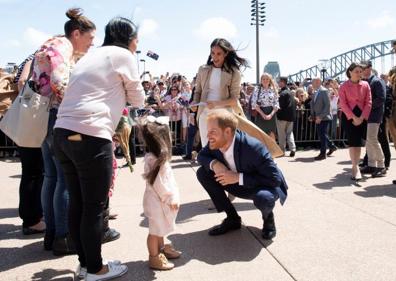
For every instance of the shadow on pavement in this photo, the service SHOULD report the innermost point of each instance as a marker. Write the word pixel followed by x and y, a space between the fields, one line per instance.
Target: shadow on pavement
pixel 349 162
pixel 138 270
pixel 192 209
pixel 180 166
pixel 52 275
pixel 378 191
pixel 12 231
pixel 234 246
pixel 8 213
pixel 304 160
pixel 256 232
pixel 177 160
pixel 339 180
pixel 17 256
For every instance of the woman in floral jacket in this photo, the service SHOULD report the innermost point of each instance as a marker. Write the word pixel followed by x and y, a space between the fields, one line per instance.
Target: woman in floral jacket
pixel 53 63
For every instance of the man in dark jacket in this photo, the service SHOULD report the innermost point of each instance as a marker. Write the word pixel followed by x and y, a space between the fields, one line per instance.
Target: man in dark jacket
pixel 241 165
pixel 285 117
pixel 376 165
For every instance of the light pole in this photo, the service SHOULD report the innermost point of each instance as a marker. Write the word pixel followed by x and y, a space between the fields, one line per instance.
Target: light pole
pixel 258 19
pixel 144 66
pixel 137 59
pixel 324 65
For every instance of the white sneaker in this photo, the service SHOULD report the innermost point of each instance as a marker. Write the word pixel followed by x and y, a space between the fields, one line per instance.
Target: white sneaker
pixel 115 270
pixel 82 271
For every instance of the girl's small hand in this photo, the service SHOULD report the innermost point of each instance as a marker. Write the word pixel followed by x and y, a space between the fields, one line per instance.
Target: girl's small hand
pixel 174 206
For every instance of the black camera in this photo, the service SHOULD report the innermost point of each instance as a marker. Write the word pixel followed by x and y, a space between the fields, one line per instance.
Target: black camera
pixel 152 55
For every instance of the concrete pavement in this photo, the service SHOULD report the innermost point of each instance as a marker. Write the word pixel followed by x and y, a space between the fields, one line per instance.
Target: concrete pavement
pixel 329 229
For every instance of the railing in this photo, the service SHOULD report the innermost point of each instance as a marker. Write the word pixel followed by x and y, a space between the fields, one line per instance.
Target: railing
pixel 304 132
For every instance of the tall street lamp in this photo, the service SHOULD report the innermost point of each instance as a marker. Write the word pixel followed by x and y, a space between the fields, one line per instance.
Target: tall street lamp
pixel 258 19
pixel 144 65
pixel 137 58
pixel 323 66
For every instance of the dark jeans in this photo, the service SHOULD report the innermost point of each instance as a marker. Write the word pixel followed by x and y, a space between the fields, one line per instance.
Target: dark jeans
pixel 87 165
pixel 325 142
pixel 192 130
pixel 263 198
pixel 30 209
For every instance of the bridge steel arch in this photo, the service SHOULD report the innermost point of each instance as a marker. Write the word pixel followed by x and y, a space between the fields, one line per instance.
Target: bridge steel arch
pixel 337 65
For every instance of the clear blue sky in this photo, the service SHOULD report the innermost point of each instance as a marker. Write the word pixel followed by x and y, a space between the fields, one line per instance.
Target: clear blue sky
pixel 297 33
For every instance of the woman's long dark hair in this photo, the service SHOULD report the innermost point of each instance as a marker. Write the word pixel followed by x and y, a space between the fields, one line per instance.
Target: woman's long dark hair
pixel 120 32
pixel 232 60
pixel 158 141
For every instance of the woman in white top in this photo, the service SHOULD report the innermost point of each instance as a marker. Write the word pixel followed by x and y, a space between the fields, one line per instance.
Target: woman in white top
pixel 99 87
pixel 266 103
pixel 218 82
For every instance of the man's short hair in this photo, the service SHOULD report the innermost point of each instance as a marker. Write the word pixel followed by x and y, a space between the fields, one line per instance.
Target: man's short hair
pixel 225 119
pixel 283 79
pixel 366 63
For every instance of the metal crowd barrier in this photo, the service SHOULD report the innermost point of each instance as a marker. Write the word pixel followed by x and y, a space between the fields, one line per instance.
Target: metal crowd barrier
pixel 175 129
pixel 305 131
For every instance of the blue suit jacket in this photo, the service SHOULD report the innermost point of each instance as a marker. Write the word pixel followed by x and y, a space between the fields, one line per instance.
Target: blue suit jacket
pixel 254 161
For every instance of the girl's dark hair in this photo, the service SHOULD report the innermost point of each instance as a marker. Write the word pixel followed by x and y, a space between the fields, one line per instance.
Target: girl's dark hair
pixel 351 68
pixel 77 21
pixel 119 32
pixel 232 60
pixel 158 141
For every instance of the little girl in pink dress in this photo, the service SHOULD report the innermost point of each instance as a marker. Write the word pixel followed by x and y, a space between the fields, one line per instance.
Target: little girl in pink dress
pixel 161 197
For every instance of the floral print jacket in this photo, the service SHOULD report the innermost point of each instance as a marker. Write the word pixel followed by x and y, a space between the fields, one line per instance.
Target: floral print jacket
pixel 52 67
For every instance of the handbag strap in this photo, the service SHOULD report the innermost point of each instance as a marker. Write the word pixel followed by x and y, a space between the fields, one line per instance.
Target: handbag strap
pixel 28 78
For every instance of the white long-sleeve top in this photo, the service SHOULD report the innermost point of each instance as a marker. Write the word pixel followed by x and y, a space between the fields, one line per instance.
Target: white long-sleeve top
pixel 99 87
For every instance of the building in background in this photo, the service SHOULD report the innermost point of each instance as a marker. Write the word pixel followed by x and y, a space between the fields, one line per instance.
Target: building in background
pixel 272 67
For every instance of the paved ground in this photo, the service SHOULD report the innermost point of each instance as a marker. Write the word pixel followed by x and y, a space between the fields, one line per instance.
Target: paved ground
pixel 329 229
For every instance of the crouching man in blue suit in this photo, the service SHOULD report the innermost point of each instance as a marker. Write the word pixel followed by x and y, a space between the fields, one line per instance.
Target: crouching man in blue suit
pixel 241 165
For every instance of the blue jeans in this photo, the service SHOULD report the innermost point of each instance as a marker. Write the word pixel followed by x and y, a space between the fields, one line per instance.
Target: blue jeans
pixel 323 137
pixel 54 194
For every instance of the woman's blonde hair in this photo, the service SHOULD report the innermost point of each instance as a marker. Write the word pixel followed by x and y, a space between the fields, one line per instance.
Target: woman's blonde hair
pixel 272 84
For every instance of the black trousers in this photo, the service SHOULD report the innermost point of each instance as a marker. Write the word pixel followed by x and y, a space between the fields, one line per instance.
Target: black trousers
pixel 30 209
pixel 87 165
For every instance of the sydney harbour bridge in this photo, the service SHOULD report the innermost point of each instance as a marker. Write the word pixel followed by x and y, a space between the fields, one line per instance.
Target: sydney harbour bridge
pixel 379 53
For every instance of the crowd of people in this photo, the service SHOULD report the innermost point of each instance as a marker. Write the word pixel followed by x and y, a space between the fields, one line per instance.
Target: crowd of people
pixel 98 100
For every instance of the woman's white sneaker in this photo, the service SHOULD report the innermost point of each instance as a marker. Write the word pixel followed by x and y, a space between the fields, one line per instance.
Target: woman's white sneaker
pixel 82 271
pixel 115 270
